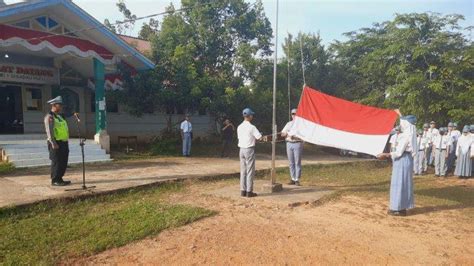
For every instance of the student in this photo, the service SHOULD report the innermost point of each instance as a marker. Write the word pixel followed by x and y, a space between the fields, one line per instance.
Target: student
pixel 463 152
pixel 227 137
pixel 294 150
pixel 248 135
pixel 453 136
pixel 440 152
pixel 186 135
pixel 432 133
pixel 421 145
pixel 401 185
pixel 427 156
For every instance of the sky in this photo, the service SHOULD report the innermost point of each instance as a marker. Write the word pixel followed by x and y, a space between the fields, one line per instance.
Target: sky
pixel 331 18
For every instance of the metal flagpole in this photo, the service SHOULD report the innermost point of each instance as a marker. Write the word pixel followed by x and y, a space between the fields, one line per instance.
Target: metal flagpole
pixel 274 126
pixel 289 83
pixel 302 58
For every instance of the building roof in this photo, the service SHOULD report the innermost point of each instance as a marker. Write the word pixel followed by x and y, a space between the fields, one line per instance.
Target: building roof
pixel 143 46
pixel 87 27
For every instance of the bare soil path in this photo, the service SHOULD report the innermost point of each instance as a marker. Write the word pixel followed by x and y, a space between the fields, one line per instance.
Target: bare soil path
pixel 351 229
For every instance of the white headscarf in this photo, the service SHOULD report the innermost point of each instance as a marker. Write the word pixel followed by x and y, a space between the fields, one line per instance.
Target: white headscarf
pixel 464 143
pixel 409 133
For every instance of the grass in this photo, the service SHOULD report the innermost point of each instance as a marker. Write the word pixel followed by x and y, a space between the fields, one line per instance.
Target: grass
pixel 48 233
pixel 6 168
pixel 371 179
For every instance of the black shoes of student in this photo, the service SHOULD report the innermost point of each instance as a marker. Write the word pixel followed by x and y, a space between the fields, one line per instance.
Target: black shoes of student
pixel 243 193
pixel 61 183
pixel 251 194
pixel 297 183
pixel 397 213
pixel 291 182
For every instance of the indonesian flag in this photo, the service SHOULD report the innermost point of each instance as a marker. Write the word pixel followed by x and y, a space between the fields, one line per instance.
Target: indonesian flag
pixel 329 121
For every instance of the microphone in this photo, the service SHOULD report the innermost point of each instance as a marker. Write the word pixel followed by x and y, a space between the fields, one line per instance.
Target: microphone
pixel 77 117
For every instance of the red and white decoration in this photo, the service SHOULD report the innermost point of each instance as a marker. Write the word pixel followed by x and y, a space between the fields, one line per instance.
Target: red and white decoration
pixel 37 40
pixel 329 121
pixel 112 82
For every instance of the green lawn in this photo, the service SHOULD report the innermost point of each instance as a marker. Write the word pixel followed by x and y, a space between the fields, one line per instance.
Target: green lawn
pixel 6 168
pixel 50 232
pixel 372 179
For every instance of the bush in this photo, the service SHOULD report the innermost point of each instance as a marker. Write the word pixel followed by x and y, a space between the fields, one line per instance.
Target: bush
pixel 165 145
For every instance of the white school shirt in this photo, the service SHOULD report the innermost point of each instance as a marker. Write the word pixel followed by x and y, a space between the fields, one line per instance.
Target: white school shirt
pixel 186 126
pixel 286 129
pixel 247 135
pixel 441 142
pixel 432 133
pixel 422 143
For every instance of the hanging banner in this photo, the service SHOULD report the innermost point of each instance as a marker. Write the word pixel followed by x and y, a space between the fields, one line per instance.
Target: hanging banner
pixel 28 74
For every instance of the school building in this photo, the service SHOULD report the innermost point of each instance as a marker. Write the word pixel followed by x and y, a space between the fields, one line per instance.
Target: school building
pixel 53 47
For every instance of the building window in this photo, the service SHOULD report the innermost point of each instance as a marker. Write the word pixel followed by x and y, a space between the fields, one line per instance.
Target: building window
pixel 34 100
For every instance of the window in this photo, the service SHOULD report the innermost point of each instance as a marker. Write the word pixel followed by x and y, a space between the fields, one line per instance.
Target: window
pixel 34 100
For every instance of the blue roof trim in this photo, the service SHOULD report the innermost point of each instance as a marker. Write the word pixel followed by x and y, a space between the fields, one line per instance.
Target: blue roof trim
pixel 25 7
pixel 100 27
pixel 85 16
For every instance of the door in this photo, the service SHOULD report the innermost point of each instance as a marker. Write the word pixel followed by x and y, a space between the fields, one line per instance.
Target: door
pixel 11 110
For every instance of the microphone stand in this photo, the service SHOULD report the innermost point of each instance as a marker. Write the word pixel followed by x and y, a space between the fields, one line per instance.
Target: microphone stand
pixel 82 144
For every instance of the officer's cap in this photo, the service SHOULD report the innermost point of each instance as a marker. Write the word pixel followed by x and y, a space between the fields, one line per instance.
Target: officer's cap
pixel 426 125
pixel 443 130
pixel 432 122
pixel 471 128
pixel 247 112
pixel 450 124
pixel 293 111
pixel 466 129
pixel 57 100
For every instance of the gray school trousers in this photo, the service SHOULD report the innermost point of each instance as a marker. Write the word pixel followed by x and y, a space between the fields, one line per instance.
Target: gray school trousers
pixel 440 162
pixel 247 168
pixel 294 151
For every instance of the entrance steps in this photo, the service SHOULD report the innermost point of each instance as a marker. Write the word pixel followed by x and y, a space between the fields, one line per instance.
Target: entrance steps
pixel 32 151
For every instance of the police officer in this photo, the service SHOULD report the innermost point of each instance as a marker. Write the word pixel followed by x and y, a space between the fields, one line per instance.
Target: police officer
pixel 58 135
pixel 294 149
pixel 247 134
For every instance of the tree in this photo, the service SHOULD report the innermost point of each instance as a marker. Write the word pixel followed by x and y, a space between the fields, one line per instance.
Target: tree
pixel 418 62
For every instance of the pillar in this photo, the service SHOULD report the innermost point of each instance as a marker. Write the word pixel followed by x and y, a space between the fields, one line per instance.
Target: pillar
pixel 101 135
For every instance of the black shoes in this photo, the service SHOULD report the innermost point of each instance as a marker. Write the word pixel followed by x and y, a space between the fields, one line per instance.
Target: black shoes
pixel 397 213
pixel 251 194
pixel 291 182
pixel 243 193
pixel 297 183
pixel 61 183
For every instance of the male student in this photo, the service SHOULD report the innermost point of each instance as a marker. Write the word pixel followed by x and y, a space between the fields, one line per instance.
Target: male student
pixel 248 135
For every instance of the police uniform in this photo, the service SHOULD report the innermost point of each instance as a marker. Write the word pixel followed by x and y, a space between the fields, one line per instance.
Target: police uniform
pixel 247 134
pixel 441 145
pixel 294 149
pixel 57 133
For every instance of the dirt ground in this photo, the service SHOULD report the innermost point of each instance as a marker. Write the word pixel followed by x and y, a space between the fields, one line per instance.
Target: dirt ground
pixel 350 229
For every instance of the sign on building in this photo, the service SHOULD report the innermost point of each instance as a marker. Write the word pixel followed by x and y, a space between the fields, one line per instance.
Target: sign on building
pixel 28 74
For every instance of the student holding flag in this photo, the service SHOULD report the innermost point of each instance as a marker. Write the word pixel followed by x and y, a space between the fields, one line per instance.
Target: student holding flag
pixel 404 150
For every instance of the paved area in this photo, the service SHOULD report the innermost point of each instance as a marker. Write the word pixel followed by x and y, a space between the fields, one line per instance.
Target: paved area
pixel 290 196
pixel 30 185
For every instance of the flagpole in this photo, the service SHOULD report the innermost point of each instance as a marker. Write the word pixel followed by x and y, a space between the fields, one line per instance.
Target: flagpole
pixel 274 126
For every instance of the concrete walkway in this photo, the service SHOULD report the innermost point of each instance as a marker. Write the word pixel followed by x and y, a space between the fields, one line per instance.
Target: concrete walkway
pixel 30 185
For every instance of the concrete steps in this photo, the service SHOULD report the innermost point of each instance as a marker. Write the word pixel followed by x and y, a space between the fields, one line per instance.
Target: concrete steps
pixel 32 151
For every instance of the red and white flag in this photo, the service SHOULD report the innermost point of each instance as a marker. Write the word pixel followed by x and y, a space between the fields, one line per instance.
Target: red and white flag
pixel 329 121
